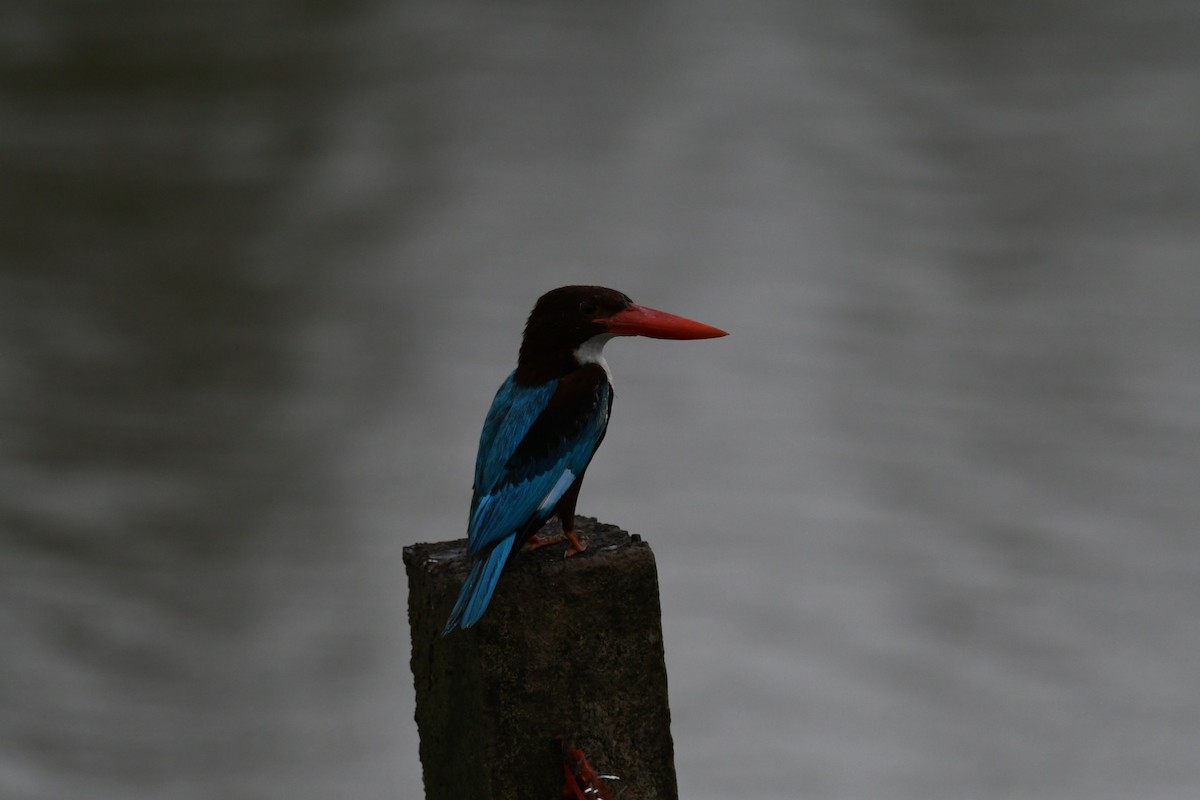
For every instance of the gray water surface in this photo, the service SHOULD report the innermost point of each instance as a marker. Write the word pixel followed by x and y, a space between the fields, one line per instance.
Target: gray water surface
pixel 926 522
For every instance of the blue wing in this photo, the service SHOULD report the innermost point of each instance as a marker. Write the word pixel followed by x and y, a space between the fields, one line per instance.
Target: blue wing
pixel 513 412
pixel 536 442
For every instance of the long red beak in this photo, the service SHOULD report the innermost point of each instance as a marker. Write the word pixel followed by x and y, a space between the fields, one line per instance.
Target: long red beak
pixel 641 321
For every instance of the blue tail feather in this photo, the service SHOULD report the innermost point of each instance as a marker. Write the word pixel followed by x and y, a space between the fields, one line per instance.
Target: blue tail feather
pixel 477 591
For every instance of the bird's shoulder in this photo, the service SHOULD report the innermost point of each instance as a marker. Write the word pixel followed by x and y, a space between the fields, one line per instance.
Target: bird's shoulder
pixel 575 414
pixel 528 428
pixel 514 409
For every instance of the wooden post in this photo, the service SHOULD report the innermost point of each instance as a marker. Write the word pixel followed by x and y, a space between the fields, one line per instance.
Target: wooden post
pixel 569 650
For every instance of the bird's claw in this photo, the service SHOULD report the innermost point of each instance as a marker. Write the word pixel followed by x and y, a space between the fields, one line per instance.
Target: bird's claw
pixel 578 544
pixel 540 540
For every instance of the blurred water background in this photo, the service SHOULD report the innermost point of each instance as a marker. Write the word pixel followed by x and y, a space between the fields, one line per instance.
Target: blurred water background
pixel 926 523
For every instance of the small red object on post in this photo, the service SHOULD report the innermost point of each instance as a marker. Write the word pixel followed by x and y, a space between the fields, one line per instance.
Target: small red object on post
pixel 580 779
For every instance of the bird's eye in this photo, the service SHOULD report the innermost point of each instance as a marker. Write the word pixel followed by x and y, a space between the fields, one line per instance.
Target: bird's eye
pixel 587 307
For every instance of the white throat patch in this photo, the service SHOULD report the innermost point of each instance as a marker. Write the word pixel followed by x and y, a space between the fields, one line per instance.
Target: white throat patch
pixel 592 352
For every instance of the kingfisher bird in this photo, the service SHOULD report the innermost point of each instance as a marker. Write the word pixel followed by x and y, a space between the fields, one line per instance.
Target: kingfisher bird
pixel 544 426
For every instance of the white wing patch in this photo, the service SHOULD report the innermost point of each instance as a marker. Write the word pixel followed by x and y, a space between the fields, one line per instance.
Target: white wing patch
pixel 560 488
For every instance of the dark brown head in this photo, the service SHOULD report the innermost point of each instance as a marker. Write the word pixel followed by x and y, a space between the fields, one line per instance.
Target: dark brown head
pixel 571 319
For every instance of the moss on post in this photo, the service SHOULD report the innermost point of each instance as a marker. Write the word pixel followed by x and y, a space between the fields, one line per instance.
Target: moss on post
pixel 570 649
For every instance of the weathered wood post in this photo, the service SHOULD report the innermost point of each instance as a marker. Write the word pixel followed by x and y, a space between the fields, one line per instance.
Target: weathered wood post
pixel 570 649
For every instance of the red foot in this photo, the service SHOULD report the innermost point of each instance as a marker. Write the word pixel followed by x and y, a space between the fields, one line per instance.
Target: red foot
pixel 578 545
pixel 539 540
